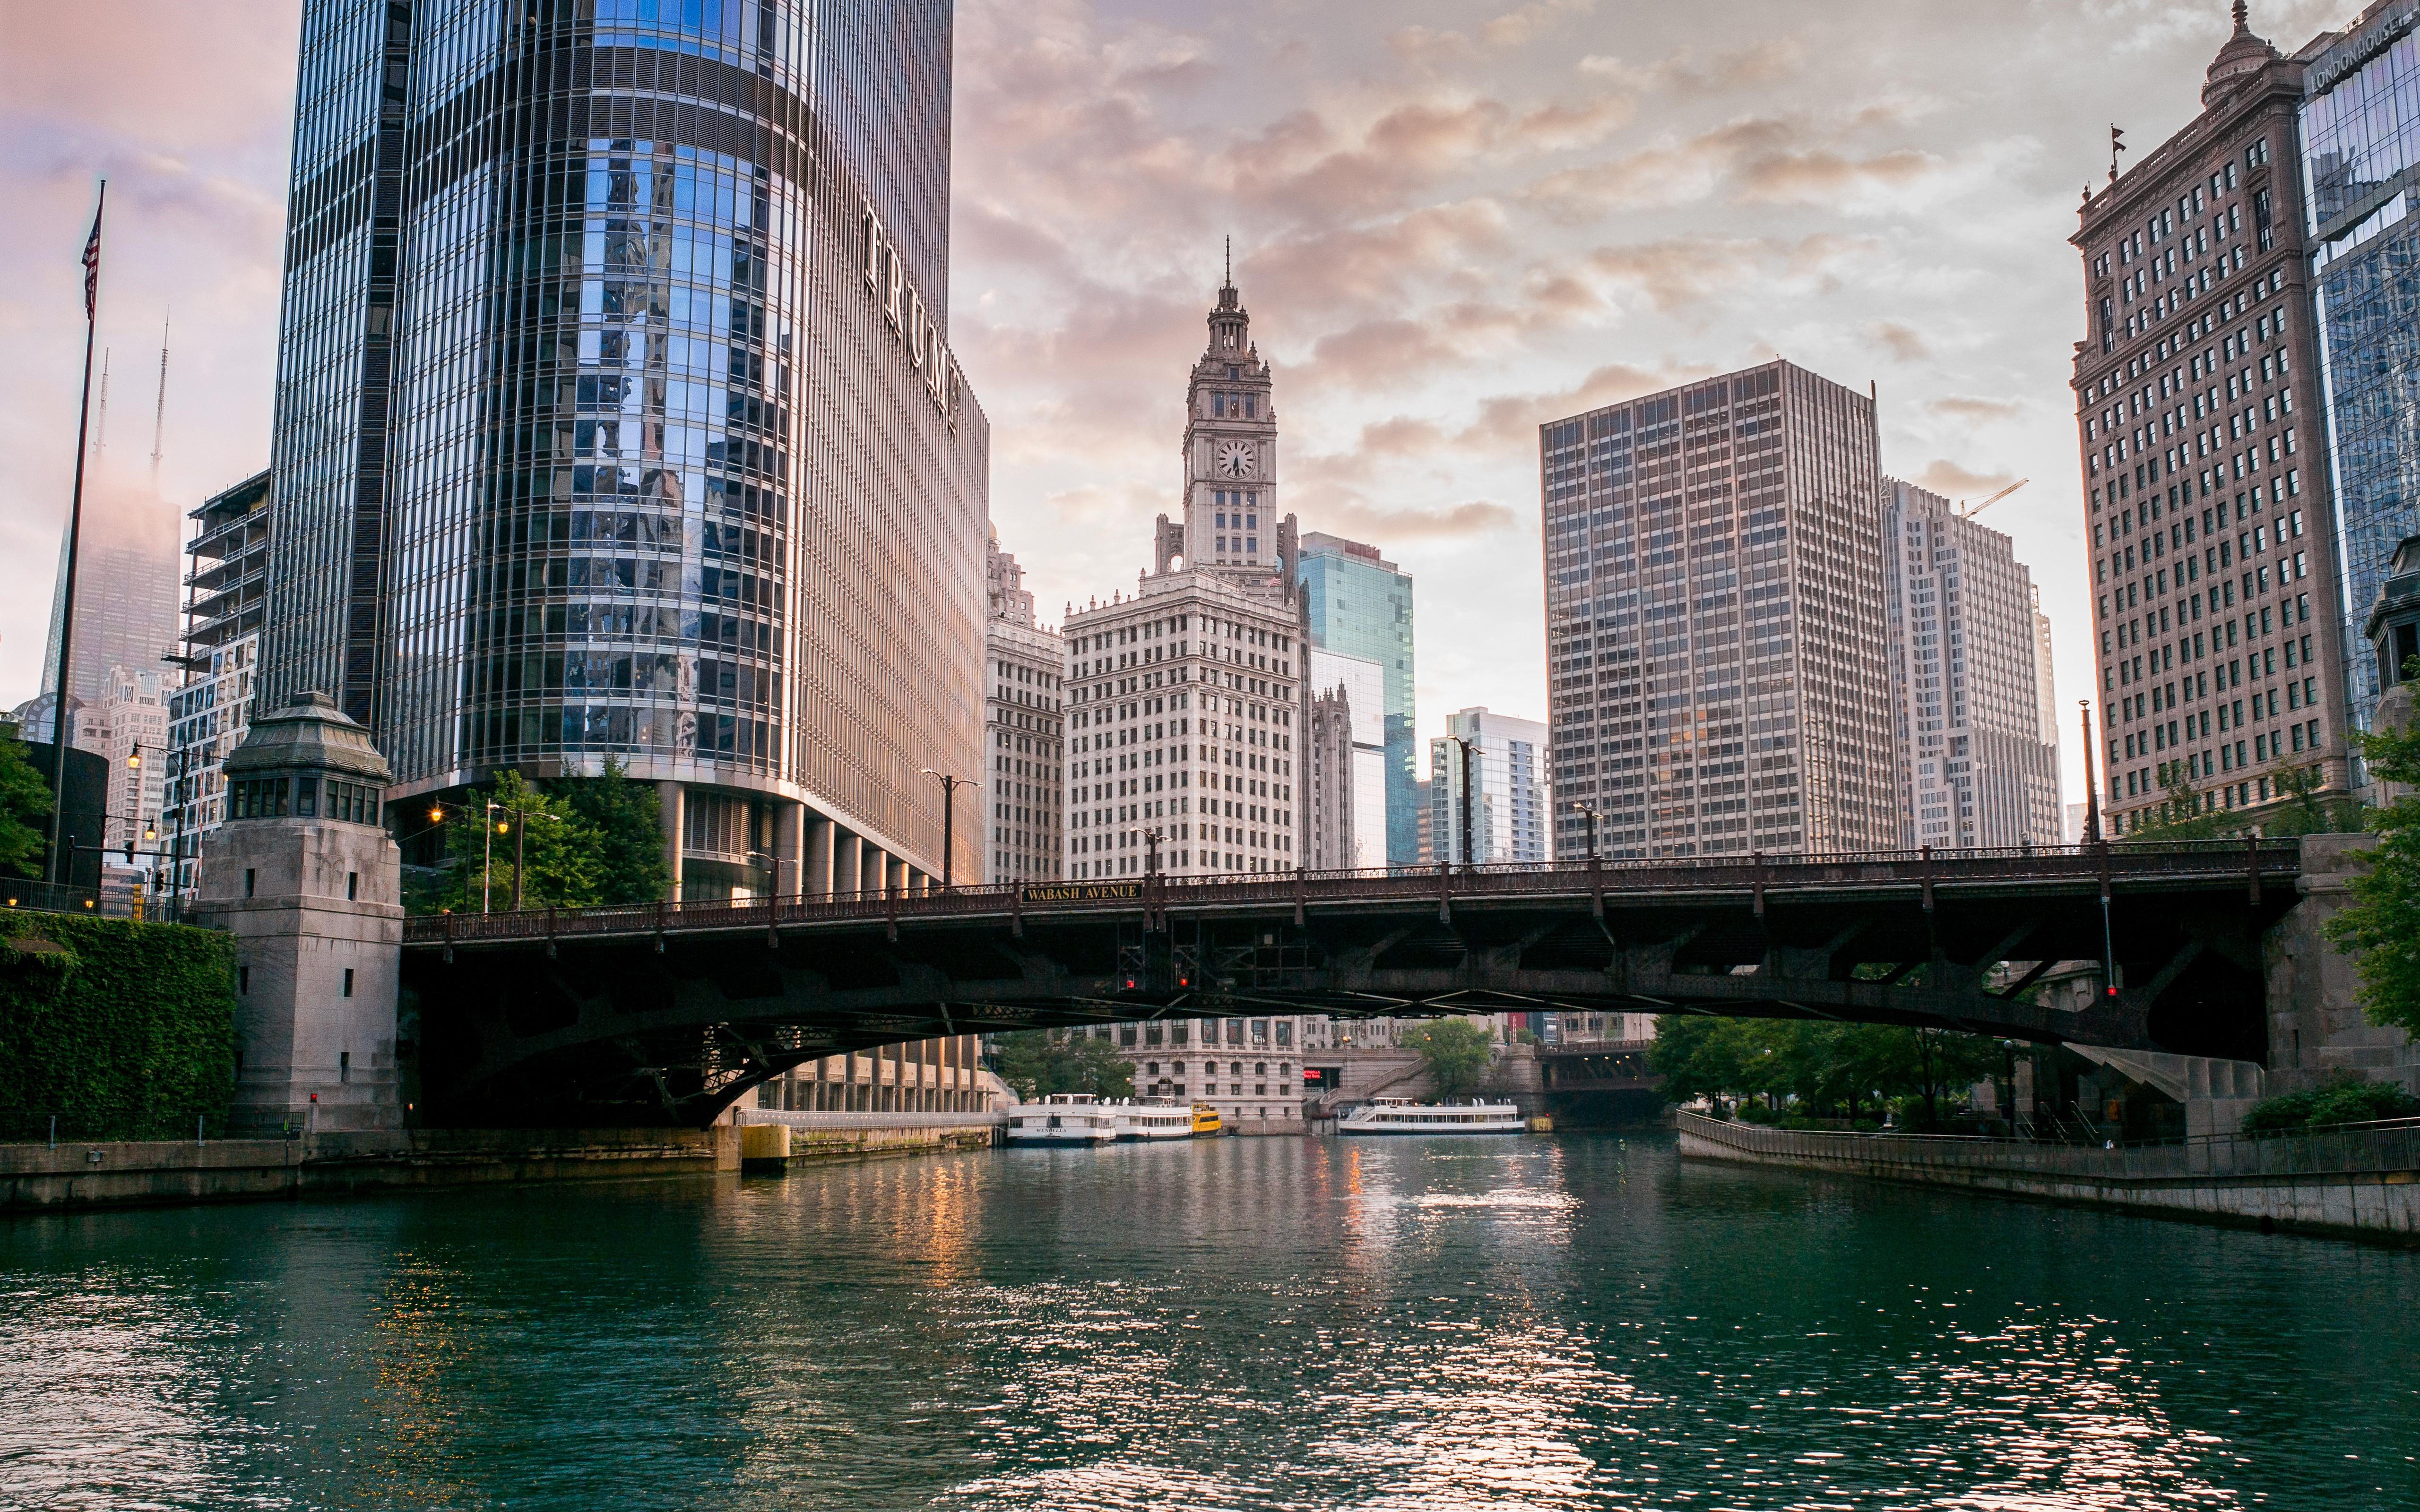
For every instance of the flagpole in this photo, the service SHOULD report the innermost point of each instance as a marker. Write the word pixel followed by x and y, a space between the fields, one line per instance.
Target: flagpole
pixel 62 856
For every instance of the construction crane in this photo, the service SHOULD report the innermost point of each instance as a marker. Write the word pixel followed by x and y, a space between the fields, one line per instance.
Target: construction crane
pixel 1969 513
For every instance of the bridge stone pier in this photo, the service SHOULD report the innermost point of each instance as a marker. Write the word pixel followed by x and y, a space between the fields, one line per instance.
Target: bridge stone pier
pixel 2317 1030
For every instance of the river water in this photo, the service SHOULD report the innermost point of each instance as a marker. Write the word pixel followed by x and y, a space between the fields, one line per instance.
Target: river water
pixel 1513 1322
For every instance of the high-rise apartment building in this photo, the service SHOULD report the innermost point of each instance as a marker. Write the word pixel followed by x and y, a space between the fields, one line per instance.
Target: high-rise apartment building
pixel 2360 143
pixel 226 584
pixel 1184 700
pixel 1489 788
pixel 2218 615
pixel 1718 676
pixel 1024 767
pixel 616 417
pixel 1358 604
pixel 1978 742
pixel 128 727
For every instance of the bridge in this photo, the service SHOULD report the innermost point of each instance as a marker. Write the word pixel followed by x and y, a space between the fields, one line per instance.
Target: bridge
pixel 665 1014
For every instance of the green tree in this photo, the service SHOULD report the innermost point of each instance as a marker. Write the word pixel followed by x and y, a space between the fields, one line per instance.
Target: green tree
pixel 557 852
pixel 626 825
pixel 2182 814
pixel 1455 1050
pixel 2381 927
pixel 24 803
pixel 1039 1062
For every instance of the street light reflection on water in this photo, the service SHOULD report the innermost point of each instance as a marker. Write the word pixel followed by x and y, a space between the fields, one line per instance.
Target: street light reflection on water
pixel 1581 1322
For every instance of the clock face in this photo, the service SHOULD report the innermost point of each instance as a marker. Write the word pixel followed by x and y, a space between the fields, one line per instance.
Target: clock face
pixel 1235 459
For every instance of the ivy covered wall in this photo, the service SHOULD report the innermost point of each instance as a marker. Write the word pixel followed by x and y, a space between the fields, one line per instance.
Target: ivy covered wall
pixel 124 1030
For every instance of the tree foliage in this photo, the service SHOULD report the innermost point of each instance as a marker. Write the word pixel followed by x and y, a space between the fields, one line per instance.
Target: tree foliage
pixel 124 1030
pixel 2381 926
pixel 24 803
pixel 1455 1052
pixel 580 841
pixel 2321 1108
pixel 1848 1070
pixel 1039 1062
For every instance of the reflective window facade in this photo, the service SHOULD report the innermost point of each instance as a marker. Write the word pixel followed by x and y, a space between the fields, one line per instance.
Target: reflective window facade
pixel 1508 795
pixel 1360 604
pixel 1718 677
pixel 617 417
pixel 2361 142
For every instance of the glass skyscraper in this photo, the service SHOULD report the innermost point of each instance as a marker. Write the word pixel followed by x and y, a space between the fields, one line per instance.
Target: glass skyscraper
pixel 616 417
pixel 2360 146
pixel 1360 604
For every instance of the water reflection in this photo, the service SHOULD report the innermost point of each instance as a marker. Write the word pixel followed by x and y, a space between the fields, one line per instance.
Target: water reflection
pixel 1236 1323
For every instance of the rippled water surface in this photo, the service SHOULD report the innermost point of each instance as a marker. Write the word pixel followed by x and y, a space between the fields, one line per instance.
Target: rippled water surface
pixel 1535 1323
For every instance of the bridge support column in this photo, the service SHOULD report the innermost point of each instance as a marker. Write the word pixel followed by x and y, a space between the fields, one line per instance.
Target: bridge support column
pixel 669 812
pixel 2317 1029
pixel 818 867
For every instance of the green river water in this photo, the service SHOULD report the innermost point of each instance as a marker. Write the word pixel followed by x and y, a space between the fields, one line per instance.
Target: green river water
pixel 1570 1323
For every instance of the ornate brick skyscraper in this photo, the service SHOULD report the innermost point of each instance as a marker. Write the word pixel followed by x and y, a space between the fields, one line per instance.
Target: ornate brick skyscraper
pixel 2217 632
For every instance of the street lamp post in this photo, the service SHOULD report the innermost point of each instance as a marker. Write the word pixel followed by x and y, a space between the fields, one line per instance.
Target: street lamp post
pixel 1588 809
pixel 2092 836
pixel 949 786
pixel 1469 861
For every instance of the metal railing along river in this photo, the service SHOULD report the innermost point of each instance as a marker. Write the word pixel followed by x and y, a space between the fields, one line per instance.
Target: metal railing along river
pixel 2345 1150
pixel 2254 860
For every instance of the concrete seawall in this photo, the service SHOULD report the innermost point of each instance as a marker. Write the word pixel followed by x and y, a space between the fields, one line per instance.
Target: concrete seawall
pixel 84 1174
pixel 2362 1184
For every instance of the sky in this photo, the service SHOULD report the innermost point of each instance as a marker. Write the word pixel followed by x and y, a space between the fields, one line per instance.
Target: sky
pixel 1452 222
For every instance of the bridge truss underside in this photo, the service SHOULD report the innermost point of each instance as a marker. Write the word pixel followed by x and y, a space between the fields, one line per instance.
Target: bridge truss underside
pixel 669 1028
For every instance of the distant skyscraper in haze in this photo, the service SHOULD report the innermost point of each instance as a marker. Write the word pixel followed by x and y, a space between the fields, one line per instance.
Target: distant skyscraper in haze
pixel 2219 616
pixel 1357 602
pixel 126 599
pixel 1978 748
pixel 1501 762
pixel 1717 671
pixel 616 417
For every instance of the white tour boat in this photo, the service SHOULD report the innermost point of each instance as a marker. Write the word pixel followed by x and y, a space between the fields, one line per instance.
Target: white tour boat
pixel 1402 1116
pixel 1062 1118
pixel 1155 1118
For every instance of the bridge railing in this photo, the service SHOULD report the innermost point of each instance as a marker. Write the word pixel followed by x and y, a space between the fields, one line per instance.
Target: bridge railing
pixel 1779 872
pixel 2353 1148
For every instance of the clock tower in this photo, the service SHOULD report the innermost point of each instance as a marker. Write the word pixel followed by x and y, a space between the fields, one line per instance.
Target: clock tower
pixel 1230 461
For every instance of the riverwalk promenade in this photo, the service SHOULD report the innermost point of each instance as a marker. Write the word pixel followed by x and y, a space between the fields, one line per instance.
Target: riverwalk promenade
pixel 2360 1182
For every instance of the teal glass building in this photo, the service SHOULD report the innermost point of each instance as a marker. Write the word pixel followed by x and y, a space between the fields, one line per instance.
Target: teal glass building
pixel 1358 603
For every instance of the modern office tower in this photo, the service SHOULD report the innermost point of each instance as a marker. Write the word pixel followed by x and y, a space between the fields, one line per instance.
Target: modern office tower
pixel 2359 140
pixel 226 584
pixel 1718 676
pixel 2217 597
pixel 124 601
pixel 1184 701
pixel 616 418
pixel 1977 745
pixel 1024 767
pixel 1488 785
pixel 1354 689
pixel 1358 603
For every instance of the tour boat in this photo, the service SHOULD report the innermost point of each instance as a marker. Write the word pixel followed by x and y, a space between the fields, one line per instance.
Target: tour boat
pixel 1402 1116
pixel 1205 1119
pixel 1153 1117
pixel 1062 1118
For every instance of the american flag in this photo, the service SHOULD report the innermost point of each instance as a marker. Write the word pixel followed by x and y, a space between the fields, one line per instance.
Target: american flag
pixel 92 258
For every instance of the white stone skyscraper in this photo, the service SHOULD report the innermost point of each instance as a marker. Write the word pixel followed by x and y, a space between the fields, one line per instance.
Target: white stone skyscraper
pixel 1499 763
pixel 1718 677
pixel 1185 699
pixel 1978 739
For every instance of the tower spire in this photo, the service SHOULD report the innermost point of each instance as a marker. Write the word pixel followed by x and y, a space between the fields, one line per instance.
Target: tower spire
pixel 1228 283
pixel 159 408
pixel 2242 17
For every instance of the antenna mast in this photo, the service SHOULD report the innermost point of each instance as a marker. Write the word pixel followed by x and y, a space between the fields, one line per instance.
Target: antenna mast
pixel 160 409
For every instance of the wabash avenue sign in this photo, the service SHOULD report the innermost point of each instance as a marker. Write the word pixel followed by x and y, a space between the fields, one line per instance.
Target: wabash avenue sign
pixel 886 274
pixel 1082 892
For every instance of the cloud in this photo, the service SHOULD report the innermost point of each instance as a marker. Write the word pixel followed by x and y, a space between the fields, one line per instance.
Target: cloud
pixel 1765 160
pixel 1766 63
pixel 1683 270
pixel 1900 341
pixel 1952 481
pixel 1975 411
pixel 1463 521
pixel 1517 28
